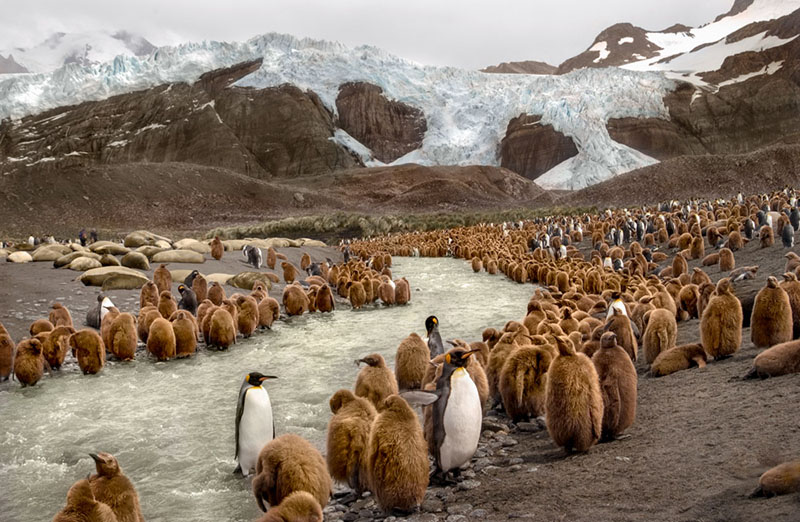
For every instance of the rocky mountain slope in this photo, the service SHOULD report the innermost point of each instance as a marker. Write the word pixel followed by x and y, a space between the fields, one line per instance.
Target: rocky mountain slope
pixel 524 67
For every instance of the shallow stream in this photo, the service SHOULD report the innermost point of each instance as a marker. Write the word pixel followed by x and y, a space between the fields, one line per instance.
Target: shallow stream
pixel 171 424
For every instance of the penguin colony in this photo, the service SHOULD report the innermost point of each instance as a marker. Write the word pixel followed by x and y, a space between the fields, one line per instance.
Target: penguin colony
pixel 626 294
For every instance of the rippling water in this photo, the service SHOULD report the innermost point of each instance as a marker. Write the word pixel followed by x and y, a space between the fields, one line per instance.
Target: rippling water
pixel 171 424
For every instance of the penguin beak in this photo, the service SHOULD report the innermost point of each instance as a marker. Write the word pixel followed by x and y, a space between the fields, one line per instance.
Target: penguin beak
pixel 467 355
pixel 265 377
pixel 95 457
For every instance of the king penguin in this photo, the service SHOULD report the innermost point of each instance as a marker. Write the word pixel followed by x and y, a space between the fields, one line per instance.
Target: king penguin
pixel 433 339
pixel 254 423
pixel 457 415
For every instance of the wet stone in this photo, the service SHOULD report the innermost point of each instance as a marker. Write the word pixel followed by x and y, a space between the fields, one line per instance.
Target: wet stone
pixel 456 518
pixel 481 464
pixel 515 467
pixel 514 461
pixel 459 509
pixel 508 442
pixel 467 485
pixel 432 505
pixel 479 514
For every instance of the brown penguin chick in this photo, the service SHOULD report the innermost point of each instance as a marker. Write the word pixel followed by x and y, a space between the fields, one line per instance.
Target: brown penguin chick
pixel 402 291
pixel 620 324
pixel 311 294
pixel 490 336
pixel 146 317
pixel 185 331
pixel 200 287
pixel 247 319
pixel 792 262
pixel 678 358
pixel 289 272
pixel 481 353
pixel 375 381
pixel 735 241
pixel 679 265
pixel 348 438
pixel 497 358
pixel 721 322
pixel 305 261
pixel 161 340
pixel 397 457
pixel 83 507
pixel 60 316
pixel 783 479
pixel 56 346
pixel 523 382
pixel 766 236
pixel 711 259
pixel 592 344
pixel 771 320
pixel 166 304
pixel 660 335
pixel 295 301
pixel 40 325
pixel 202 311
pixel 726 260
pixel 111 487
pixel 162 278
pixel 697 248
pixel 781 359
pixel 324 301
pixel 105 325
pixel 287 464
pixel 221 329
pixel 29 362
pixel 89 349
pixel 357 294
pixel 216 294
pixel 386 293
pixel 412 359
pixel 272 258
pixel 477 264
pixel 205 324
pixel 269 310
pixel 122 337
pixel 148 295
pixel 6 353
pixel 618 384
pixel 300 506
pixel 791 286
pixel 573 405
pixel 568 323
pixel 217 248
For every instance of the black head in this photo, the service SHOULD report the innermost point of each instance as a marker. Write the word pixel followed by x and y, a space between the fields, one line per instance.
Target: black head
pixel 458 356
pixel 431 323
pixel 256 379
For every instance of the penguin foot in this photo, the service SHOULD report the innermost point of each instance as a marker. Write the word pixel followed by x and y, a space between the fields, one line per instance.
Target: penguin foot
pixel 238 470
pixel 442 479
pixel 348 498
pixel 397 512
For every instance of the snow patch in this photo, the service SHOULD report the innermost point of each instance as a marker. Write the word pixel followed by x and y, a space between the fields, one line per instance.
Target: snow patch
pixel 602 49
pixel 119 143
pixel 341 137
pixel 75 153
pixel 152 126
pixel 626 40
pixel 768 70
pixel 43 160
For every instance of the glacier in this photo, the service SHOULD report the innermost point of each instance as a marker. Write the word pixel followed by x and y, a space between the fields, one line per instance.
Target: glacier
pixel 467 111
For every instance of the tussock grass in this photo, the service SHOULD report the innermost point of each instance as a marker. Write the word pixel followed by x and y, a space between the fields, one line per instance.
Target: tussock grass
pixel 345 226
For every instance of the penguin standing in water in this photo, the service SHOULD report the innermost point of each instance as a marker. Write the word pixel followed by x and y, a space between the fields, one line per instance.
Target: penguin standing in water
pixel 94 317
pixel 255 425
pixel 434 340
pixel 457 414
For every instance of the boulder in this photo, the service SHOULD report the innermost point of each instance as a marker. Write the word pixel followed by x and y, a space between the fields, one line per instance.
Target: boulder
pixel 109 260
pixel 97 276
pixel 246 280
pixel 19 257
pixel 69 258
pixel 178 256
pixel 82 264
pixel 136 260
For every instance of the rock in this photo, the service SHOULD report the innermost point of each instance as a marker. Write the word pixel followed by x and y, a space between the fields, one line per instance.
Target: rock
pixel 459 509
pixel 533 426
pixel 67 259
pixel 618 53
pixel 300 198
pixel 19 257
pixel 178 256
pixel 96 276
pixel 456 518
pixel 82 264
pixel 136 260
pixel 481 464
pixel 531 149
pixel 479 514
pixel 391 129
pixel 108 247
pixel 466 485
pixel 490 425
pixel 246 280
pixel 523 67
pixel 432 504
pixel 109 260
pixel 123 282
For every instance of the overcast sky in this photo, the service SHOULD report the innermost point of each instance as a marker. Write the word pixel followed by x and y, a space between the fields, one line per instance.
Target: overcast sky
pixel 465 33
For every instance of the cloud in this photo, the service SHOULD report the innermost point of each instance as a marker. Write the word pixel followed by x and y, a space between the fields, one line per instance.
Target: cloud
pixel 464 33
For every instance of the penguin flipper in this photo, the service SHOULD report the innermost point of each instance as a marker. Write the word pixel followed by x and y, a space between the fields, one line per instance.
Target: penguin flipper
pixel 239 412
pixel 421 398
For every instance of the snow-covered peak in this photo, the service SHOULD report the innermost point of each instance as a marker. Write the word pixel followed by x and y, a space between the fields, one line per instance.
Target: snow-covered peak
pixel 81 48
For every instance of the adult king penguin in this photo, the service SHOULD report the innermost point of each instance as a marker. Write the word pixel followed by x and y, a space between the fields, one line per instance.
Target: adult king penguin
pixel 433 339
pixel 255 425
pixel 457 414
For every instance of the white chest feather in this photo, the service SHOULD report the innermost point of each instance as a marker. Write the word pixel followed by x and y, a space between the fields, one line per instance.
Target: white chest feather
pixel 462 422
pixel 255 427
